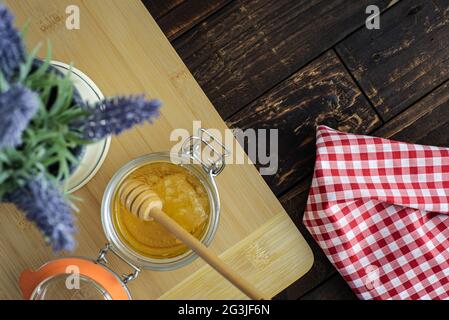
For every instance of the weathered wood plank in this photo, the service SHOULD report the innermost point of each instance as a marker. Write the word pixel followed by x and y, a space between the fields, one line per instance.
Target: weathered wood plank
pixel 426 122
pixel 403 60
pixel 294 203
pixel 320 93
pixel 188 14
pixel 334 289
pixel 159 8
pixel 250 45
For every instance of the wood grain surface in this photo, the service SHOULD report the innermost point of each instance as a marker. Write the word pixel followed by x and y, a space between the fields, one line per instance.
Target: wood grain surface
pixel 426 122
pixel 240 52
pixel 188 14
pixel 321 93
pixel 112 49
pixel 247 50
pixel 160 8
pixel 405 59
pixel 253 250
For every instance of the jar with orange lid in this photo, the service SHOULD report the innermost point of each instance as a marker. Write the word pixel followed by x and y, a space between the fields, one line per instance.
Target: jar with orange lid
pixel 186 185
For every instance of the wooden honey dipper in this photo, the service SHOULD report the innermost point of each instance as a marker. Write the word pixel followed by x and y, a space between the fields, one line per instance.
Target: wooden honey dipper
pixel 143 202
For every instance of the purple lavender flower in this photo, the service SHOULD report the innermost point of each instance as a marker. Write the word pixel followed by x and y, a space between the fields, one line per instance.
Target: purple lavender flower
pixel 18 105
pixel 44 205
pixel 113 116
pixel 12 49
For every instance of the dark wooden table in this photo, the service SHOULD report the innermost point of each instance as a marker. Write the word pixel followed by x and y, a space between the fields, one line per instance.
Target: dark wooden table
pixel 293 64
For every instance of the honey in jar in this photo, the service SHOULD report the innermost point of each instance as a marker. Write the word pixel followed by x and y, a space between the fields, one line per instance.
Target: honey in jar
pixel 184 199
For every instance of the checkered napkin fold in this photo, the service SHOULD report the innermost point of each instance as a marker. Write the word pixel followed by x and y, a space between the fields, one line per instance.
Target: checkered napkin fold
pixel 379 210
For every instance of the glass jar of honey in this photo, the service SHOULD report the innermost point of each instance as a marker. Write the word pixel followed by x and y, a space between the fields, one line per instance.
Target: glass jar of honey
pixel 189 195
pixel 185 183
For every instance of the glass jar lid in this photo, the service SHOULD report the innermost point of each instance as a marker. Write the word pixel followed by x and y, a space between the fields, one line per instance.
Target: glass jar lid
pixel 73 279
pixel 63 287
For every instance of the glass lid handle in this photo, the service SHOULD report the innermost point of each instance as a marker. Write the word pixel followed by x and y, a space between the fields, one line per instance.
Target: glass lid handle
pixel 102 259
pixel 207 150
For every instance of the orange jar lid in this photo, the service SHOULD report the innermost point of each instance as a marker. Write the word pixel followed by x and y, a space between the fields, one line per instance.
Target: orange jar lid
pixel 72 278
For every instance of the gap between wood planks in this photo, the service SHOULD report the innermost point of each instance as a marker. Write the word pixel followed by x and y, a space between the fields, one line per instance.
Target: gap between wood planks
pixel 185 22
pixel 332 47
pixel 343 63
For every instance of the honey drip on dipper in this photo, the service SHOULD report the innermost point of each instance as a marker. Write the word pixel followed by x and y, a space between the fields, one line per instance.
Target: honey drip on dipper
pixel 183 198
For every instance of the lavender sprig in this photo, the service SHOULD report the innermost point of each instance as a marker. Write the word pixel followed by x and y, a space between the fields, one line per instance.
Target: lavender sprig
pixel 18 105
pixel 12 49
pixel 114 115
pixel 44 205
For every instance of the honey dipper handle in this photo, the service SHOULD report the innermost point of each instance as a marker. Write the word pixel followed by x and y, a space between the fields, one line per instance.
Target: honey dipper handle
pixel 205 253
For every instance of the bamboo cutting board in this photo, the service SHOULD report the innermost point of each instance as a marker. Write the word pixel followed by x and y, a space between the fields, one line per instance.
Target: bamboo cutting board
pixel 123 50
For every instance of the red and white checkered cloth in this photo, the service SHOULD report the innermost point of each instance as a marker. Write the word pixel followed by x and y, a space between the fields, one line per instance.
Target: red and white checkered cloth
pixel 379 210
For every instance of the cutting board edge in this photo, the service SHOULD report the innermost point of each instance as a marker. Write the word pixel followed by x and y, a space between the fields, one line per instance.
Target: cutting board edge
pixel 285 222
